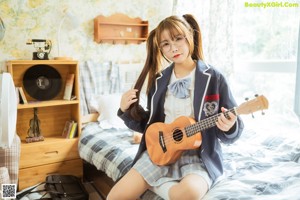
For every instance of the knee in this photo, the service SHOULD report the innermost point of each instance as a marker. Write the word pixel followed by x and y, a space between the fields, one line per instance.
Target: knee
pixel 114 195
pixel 185 195
pixel 191 193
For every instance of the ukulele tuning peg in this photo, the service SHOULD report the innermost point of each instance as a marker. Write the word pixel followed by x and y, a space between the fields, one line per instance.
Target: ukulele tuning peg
pixel 262 112
pixel 252 115
pixel 246 99
pixel 256 95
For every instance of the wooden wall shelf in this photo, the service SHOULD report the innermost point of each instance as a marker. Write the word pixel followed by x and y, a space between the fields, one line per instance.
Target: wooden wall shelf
pixel 120 29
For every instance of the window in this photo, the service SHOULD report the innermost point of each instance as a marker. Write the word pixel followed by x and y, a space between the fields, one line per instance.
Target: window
pixel 265 51
pixel 260 45
pixel 297 93
pixel 266 33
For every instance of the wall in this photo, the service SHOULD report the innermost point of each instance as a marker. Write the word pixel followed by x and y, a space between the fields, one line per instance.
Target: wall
pixel 39 19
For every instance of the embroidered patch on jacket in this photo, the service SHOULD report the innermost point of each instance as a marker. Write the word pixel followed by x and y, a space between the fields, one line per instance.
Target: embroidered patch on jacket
pixel 210 108
pixel 211 105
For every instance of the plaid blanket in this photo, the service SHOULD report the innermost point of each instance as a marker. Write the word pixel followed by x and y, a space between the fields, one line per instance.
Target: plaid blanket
pixel 111 151
pixel 97 78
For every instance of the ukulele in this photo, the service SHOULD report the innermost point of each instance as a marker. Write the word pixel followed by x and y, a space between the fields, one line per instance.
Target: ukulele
pixel 166 142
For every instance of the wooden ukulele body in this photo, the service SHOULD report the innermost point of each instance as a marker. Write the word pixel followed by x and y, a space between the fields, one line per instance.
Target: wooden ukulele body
pixel 172 139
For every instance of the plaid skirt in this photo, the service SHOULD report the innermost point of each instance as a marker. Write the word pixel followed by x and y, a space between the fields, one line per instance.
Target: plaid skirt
pixel 188 163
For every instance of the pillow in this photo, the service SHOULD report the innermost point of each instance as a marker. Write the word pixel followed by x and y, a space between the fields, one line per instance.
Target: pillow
pixel 107 105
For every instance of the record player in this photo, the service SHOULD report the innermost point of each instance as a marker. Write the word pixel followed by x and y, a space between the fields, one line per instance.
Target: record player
pixel 43 48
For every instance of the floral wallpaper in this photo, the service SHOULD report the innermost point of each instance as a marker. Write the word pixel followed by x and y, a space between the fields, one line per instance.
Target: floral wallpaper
pixel 40 19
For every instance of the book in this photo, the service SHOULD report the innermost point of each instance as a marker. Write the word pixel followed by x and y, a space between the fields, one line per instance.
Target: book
pixel 73 130
pixel 69 87
pixel 17 95
pixel 22 96
pixel 67 128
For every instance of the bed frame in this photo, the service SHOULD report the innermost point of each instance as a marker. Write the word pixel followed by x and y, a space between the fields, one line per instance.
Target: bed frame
pixel 100 181
pixel 97 178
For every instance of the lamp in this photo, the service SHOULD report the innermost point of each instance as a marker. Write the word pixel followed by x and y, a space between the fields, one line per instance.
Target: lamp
pixel 67 18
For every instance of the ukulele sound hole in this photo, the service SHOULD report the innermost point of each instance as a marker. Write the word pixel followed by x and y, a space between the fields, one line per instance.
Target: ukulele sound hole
pixel 177 135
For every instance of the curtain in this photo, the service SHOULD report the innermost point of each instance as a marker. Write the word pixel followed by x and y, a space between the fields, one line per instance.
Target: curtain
pixel 216 22
pixel 297 90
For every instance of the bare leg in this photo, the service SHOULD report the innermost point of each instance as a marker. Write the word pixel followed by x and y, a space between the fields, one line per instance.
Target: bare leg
pixel 129 187
pixel 192 187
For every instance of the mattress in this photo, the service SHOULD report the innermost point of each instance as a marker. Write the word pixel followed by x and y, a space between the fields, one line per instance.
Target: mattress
pixel 263 164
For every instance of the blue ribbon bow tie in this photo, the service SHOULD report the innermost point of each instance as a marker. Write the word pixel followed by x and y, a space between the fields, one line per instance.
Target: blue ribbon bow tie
pixel 180 88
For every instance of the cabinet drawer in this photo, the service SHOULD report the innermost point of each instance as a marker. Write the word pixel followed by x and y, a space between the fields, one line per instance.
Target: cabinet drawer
pixel 34 175
pixel 49 151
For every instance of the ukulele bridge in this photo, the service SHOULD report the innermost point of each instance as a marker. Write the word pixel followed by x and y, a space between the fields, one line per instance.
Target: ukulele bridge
pixel 162 142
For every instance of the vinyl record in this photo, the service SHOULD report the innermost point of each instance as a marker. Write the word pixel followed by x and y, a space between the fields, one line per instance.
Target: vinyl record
pixel 42 82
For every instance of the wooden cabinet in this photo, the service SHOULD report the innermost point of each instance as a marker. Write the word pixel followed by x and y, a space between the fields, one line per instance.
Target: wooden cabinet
pixel 120 29
pixel 55 154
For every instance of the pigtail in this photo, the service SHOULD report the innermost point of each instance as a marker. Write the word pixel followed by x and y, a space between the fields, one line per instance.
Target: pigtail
pixel 151 68
pixel 152 64
pixel 198 50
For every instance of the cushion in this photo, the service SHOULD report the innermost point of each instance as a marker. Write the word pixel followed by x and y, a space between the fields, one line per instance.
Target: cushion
pixel 97 79
pixel 107 105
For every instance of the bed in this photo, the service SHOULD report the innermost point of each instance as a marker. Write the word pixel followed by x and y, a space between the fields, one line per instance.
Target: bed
pixel 263 164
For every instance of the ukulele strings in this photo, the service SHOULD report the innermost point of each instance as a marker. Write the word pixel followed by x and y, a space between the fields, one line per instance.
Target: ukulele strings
pixel 207 123
pixel 177 134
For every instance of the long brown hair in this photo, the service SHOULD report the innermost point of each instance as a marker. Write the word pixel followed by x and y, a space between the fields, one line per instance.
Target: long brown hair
pixel 187 26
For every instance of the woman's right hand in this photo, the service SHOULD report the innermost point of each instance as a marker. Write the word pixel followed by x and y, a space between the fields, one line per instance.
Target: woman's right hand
pixel 127 99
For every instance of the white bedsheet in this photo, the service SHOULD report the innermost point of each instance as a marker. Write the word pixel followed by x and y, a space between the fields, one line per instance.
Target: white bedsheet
pixel 263 164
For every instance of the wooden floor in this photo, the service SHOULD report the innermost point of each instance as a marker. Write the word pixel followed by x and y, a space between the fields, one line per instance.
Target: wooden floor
pixel 97 184
pixel 93 193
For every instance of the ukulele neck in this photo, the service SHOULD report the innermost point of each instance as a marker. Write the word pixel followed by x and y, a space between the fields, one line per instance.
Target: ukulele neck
pixel 206 123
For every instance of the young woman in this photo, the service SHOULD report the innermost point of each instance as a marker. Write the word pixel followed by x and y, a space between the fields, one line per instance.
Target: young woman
pixel 188 87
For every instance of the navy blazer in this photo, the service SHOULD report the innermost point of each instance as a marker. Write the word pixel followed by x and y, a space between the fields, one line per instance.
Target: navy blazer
pixel 211 92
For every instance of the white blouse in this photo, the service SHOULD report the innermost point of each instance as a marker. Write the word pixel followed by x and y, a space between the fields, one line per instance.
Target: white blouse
pixel 175 107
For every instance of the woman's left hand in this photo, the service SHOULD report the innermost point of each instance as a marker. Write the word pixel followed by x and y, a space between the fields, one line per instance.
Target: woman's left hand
pixel 223 123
